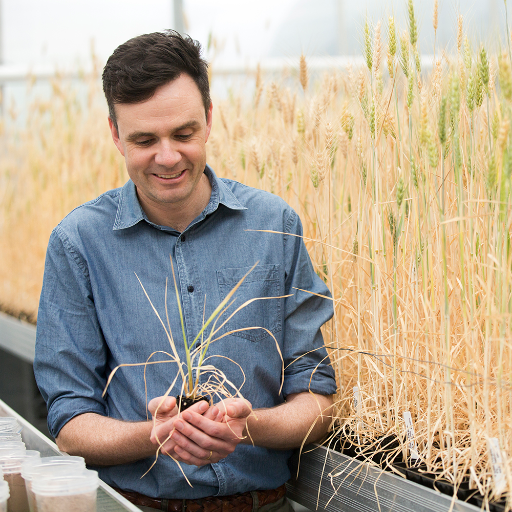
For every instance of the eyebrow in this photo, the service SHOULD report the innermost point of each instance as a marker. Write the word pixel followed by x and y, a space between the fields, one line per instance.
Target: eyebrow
pixel 137 135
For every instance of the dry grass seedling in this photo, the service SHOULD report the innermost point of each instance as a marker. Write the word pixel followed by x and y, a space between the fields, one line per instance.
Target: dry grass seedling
pixel 214 386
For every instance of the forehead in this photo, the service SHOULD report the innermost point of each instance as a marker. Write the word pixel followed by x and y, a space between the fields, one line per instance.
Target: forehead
pixel 174 103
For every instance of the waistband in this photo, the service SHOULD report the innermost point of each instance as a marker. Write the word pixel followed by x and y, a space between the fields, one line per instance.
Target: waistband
pixel 243 502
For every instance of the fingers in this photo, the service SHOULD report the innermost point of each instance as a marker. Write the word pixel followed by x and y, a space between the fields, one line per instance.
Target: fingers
pixel 194 446
pixel 183 449
pixel 239 408
pixel 163 405
pixel 166 415
pixel 221 437
pixel 201 434
pixel 188 452
pixel 214 414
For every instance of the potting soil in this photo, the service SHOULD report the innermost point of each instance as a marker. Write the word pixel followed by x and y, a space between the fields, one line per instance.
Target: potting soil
pixel 17 501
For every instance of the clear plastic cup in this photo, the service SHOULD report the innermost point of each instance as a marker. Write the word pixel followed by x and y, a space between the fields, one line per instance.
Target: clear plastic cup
pixel 7 445
pixel 8 454
pixel 4 494
pixel 9 424
pixel 63 493
pixel 11 462
pixel 46 467
pixel 10 436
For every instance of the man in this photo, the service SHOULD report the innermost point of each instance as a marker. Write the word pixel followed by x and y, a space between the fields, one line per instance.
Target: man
pixel 94 314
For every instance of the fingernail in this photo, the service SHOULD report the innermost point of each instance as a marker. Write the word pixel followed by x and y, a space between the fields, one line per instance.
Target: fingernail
pixel 179 425
pixel 203 407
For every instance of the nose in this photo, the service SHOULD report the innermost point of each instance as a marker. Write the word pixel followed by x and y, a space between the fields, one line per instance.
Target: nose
pixel 166 154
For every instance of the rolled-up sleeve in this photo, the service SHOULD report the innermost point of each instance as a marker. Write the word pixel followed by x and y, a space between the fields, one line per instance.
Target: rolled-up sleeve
pixel 307 365
pixel 71 356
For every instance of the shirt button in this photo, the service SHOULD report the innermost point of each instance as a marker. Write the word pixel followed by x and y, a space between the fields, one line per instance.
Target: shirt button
pixel 190 288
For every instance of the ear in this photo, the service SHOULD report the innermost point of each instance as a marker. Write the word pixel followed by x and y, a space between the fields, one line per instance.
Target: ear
pixel 209 122
pixel 115 136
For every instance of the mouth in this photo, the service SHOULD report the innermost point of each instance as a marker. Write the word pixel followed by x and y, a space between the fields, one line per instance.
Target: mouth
pixel 170 176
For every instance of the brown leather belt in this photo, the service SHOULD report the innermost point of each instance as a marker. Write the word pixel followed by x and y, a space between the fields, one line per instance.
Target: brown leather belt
pixel 235 503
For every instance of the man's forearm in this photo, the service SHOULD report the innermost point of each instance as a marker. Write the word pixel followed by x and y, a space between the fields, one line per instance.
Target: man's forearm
pixel 287 425
pixel 106 441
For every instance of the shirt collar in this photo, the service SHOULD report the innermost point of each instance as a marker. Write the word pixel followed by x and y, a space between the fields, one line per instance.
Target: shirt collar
pixel 130 212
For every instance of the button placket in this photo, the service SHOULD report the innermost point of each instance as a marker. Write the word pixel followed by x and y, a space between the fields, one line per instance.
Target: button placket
pixel 182 278
pixel 186 274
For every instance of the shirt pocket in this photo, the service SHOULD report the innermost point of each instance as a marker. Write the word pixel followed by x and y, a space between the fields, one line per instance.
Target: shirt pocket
pixel 263 281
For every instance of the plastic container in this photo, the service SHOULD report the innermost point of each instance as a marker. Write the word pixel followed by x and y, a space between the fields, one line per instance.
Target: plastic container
pixel 64 493
pixel 11 462
pixel 48 467
pixel 7 445
pixel 9 424
pixel 10 436
pixel 4 495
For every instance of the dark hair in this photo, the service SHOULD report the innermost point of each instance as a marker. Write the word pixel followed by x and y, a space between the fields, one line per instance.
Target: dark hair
pixel 138 67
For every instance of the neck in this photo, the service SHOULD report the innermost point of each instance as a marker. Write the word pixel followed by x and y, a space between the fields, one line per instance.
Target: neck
pixel 178 216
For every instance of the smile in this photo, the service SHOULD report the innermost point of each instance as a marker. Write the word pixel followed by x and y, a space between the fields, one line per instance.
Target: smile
pixel 170 176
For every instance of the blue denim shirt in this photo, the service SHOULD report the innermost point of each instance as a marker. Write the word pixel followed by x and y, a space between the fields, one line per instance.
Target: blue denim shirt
pixel 94 316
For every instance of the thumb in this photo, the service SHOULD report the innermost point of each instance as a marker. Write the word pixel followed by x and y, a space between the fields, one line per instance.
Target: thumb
pixel 239 409
pixel 164 405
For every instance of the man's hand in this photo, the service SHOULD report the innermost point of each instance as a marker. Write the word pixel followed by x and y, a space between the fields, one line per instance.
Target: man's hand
pixel 201 434
pixel 165 412
pixel 165 409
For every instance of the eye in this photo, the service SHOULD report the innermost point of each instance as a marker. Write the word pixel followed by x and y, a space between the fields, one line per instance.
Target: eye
pixel 144 142
pixel 183 136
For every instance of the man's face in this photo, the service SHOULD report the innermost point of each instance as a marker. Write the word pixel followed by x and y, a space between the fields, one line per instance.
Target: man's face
pixel 163 142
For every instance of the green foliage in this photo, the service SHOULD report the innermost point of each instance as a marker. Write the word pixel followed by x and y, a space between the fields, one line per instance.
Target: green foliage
pixel 433 153
pixel 483 69
pixel 364 172
pixel 495 126
pixel 400 192
pixel 414 174
pixel 505 76
pixel 315 176
pixel 404 54
pixel 242 158
pixel 372 120
pixel 491 175
pixel 347 123
pixel 392 43
pixel 355 247
pixel 413 27
pixel 471 93
pixel 301 124
pixel 368 46
pixel 442 121
pixel 468 58
pixel 410 92
pixel 480 89
pixel 392 227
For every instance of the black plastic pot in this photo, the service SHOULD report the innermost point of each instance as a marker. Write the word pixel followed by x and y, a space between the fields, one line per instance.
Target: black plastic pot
pixel 386 453
pixel 184 402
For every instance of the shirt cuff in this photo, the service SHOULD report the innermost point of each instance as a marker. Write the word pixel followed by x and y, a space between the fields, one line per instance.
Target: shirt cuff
pixel 66 409
pixel 322 382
